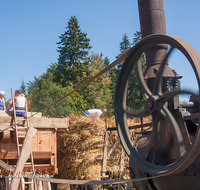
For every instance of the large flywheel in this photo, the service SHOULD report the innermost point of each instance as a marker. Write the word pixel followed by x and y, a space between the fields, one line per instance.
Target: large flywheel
pixel 157 106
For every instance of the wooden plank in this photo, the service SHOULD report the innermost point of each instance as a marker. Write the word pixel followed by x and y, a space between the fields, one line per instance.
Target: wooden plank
pixel 6 117
pixel 101 145
pixel 5 122
pixel 9 154
pixel 25 153
pixel 132 127
pixel 111 158
pixel 49 122
pixel 192 116
pixel 10 113
pixel 140 126
pixel 6 166
pixel 42 154
pixel 112 148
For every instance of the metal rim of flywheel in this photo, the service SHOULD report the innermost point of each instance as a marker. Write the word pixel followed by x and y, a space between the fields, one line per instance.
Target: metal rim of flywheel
pixel 131 60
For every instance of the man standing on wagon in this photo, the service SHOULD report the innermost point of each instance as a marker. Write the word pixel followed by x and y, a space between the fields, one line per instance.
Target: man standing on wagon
pixel 20 103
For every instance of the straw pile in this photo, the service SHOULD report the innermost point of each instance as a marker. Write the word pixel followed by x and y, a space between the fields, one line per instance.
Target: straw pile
pixel 78 152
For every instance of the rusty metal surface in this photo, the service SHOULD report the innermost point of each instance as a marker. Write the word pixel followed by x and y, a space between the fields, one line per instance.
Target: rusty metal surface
pixel 152 17
pixel 152 21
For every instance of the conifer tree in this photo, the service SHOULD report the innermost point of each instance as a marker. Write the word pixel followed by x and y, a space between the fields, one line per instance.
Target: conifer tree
pixel 23 87
pixel 73 49
pixel 124 46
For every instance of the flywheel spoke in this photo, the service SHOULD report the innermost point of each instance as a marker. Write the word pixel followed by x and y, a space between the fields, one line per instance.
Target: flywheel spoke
pixel 176 133
pixel 135 113
pixel 170 94
pixel 148 148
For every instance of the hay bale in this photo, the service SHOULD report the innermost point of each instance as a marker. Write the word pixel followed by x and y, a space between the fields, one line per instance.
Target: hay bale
pixel 77 153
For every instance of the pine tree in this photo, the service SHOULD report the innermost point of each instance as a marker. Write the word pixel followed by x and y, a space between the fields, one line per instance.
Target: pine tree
pixel 73 49
pixel 124 46
pixel 23 87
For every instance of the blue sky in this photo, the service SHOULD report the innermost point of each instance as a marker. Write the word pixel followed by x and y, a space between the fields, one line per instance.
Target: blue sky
pixel 30 30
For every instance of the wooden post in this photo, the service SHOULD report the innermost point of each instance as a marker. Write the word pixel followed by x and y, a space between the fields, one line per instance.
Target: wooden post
pixel 105 152
pixel 25 153
pixel 39 185
pixel 141 120
pixel 8 181
pixel 46 185
pixel 121 169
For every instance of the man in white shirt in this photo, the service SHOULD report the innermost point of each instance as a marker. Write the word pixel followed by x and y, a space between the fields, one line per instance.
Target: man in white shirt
pixel 95 112
pixel 20 103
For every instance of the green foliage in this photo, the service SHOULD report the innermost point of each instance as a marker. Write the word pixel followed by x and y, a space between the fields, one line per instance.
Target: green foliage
pixel 44 91
pixel 106 61
pixel 73 49
pixel 97 93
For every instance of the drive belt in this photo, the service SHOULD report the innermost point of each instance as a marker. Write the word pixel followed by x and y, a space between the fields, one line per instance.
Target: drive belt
pixel 93 182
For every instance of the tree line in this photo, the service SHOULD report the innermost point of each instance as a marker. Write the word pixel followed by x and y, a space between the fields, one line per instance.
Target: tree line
pixel 76 64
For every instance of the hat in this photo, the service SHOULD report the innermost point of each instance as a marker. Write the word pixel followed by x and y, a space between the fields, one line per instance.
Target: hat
pixel 2 93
